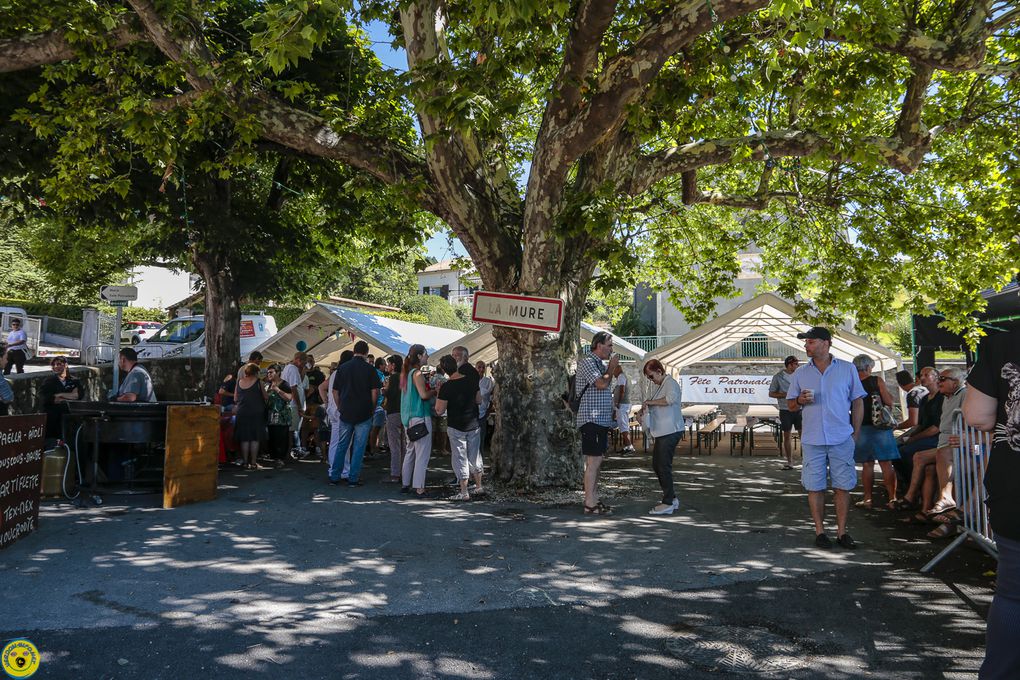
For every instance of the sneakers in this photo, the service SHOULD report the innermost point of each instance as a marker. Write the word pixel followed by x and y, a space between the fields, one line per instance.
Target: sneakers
pixel 823 541
pixel 357 483
pixel 628 449
pixel 846 541
pixel 665 508
pixel 334 482
pixel 405 489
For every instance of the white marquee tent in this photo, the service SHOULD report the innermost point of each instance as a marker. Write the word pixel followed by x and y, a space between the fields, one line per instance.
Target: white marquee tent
pixel 328 330
pixel 770 315
pixel 482 346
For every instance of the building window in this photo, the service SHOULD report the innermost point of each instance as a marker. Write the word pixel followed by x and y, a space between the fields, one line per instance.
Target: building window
pixel 755 346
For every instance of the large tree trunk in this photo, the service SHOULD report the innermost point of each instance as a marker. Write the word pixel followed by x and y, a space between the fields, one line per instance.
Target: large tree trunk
pixel 222 320
pixel 536 442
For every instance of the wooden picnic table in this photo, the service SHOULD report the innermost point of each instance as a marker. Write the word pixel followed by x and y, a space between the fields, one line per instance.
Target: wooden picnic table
pixel 759 414
pixel 699 412
pixel 762 411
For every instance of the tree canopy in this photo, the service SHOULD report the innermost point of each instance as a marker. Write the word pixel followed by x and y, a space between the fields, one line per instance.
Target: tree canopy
pixel 864 147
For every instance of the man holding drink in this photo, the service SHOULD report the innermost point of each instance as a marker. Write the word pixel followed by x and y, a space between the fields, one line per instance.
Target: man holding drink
pixel 829 394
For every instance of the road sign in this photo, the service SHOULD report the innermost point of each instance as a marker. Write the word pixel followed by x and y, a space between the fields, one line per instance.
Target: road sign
pixel 518 311
pixel 114 294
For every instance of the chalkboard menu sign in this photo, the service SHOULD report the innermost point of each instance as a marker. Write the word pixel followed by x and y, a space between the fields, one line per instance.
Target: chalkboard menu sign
pixel 21 451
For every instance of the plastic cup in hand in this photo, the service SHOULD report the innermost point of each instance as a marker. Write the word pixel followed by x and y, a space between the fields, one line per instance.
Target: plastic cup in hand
pixel 809 396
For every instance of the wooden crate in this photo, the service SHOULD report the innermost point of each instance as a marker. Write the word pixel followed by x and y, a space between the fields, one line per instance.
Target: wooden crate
pixel 192 454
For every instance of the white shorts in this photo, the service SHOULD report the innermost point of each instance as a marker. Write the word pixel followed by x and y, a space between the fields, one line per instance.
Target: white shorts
pixel 623 417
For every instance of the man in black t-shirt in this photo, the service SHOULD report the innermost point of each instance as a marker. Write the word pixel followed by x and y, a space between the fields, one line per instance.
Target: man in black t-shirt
pixel 355 390
pixel 992 404
pixel 924 435
pixel 458 399
pixel 315 377
pixel 57 390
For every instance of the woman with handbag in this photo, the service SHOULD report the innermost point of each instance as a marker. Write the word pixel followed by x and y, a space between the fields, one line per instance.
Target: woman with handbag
pixel 416 416
pixel 661 417
pixel 279 412
pixel 250 414
pixel 875 441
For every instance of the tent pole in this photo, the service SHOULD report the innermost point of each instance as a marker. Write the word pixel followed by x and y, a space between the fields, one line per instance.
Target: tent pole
pixel 913 344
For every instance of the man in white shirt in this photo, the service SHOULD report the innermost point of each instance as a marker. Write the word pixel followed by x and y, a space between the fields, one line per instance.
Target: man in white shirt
pixel 293 376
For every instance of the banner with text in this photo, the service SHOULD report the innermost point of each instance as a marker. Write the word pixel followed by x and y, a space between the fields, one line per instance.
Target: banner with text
pixel 21 448
pixel 727 389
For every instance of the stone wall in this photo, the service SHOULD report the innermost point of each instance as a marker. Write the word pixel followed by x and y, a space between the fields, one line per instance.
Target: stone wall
pixel 174 380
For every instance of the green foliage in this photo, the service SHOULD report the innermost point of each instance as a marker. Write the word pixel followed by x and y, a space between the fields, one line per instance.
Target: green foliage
pixel 436 310
pixel 630 324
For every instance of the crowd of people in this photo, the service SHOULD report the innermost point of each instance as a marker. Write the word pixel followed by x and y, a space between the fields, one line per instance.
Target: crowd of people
pixel 843 412
pixel 365 406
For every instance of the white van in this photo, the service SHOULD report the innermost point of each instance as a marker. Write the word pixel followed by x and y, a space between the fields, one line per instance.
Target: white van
pixel 185 337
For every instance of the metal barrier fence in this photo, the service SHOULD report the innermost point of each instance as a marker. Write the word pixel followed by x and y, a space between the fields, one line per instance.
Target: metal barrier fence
pixel 970 458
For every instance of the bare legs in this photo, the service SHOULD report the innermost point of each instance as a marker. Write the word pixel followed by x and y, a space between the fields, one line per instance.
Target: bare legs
pixel 868 479
pixel 249 452
pixel 841 499
pixel 591 480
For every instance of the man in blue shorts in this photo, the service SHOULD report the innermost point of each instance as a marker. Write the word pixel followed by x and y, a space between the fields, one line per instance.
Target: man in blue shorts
pixel 829 394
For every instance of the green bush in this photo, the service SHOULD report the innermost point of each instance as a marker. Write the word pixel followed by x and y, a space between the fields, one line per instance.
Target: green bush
pixel 436 310
pixel 33 308
pixel 73 312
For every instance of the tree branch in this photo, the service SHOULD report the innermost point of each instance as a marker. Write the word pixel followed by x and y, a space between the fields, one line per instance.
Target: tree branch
pixel 475 195
pixel 909 126
pixel 580 54
pixel 40 49
pixel 620 82
pixel 651 168
pixel 187 49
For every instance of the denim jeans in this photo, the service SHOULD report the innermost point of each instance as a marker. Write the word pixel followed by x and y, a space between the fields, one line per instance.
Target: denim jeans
pixel 662 464
pixel 359 431
pixel 1002 654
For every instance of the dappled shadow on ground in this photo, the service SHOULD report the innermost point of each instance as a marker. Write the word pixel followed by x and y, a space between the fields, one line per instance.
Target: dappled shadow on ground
pixel 281 565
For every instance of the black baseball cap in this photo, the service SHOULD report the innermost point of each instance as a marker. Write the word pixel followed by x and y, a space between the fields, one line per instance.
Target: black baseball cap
pixel 816 333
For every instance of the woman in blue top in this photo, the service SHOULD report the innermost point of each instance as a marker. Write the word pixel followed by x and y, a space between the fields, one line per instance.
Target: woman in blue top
pixel 414 409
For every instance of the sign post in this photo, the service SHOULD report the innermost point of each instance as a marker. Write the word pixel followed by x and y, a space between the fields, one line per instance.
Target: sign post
pixel 118 297
pixel 518 311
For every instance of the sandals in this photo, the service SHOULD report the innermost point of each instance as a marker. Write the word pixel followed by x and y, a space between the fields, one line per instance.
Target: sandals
pixel 866 504
pixel 902 504
pixel 953 515
pixel 599 508
pixel 944 530
pixel 940 508
pixel 917 519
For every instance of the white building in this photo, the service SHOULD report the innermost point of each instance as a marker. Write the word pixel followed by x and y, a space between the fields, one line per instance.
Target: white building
pixel 453 284
pixel 160 287
pixel 657 310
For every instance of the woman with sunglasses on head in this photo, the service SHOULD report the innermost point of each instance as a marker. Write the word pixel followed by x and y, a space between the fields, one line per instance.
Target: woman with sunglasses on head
pixel 666 424
pixel 415 410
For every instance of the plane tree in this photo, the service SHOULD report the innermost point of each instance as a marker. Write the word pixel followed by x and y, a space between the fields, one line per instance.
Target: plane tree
pixel 866 148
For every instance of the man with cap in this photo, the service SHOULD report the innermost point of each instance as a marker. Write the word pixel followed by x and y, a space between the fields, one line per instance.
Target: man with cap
pixel 788 419
pixel 828 393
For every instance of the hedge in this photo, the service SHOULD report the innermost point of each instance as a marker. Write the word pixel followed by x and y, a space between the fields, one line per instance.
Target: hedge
pixel 74 312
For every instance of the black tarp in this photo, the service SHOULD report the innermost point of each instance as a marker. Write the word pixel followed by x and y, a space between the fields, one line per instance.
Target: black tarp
pixel 929 337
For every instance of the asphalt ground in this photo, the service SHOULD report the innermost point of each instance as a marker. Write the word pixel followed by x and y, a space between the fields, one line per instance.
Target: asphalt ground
pixel 283 576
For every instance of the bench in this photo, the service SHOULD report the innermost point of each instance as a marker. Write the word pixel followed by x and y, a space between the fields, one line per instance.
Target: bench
pixel 738 435
pixel 709 435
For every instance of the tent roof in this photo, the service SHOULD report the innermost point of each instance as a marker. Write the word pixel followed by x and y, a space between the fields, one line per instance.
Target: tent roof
pixel 768 314
pixel 482 346
pixel 330 329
